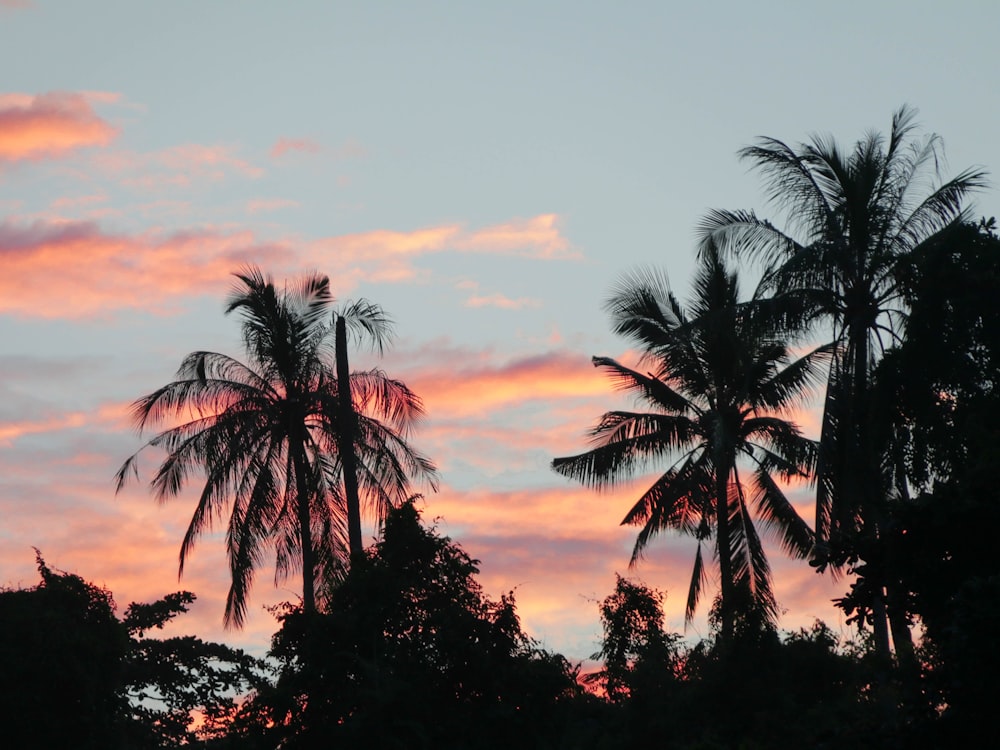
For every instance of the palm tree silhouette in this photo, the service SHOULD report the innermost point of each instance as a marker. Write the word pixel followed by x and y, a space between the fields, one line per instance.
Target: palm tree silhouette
pixel 720 380
pixel 365 319
pixel 860 216
pixel 265 433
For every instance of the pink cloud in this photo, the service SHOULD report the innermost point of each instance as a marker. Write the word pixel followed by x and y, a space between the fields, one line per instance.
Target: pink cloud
pixel 108 97
pixel 284 146
pixel 388 256
pixel 501 301
pixel 77 268
pixel 80 269
pixel 177 166
pixel 211 159
pixel 557 545
pixel 11 431
pixel 78 201
pixel 540 234
pixel 49 125
pixel 480 388
pixel 72 269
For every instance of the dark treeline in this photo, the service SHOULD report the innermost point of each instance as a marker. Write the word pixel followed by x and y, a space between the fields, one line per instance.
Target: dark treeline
pixel 880 294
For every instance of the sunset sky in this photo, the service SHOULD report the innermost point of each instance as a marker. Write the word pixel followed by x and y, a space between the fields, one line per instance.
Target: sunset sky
pixel 485 171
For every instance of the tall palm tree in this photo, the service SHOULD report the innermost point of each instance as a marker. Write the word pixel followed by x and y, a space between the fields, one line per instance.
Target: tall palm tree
pixel 719 383
pixel 369 320
pixel 855 218
pixel 265 433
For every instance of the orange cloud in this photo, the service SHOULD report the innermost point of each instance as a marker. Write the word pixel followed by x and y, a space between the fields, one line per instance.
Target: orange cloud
pixel 70 269
pixel 483 388
pixel 79 269
pixel 286 145
pixel 11 431
pixel 540 233
pixel 391 252
pixel 49 125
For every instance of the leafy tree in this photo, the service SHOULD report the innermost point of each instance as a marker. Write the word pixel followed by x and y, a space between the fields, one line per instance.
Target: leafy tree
pixel 721 379
pixel 61 664
pixel 74 675
pixel 181 690
pixel 638 655
pixel 267 436
pixel 939 412
pixel 411 654
pixel 855 219
pixel 800 690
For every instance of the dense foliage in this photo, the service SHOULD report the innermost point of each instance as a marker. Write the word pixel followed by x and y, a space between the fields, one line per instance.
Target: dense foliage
pixel 73 675
pixel 411 654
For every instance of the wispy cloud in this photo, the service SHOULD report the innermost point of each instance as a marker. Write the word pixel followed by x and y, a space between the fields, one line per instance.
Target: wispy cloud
pixel 287 146
pixel 538 236
pixel 284 146
pixel 78 201
pixel 501 301
pixel 176 167
pixel 388 256
pixel 263 205
pixel 47 126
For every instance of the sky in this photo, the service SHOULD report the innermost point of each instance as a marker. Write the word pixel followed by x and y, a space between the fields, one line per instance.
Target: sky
pixel 484 171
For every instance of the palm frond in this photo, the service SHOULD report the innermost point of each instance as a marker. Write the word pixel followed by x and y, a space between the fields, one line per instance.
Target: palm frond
pixel 650 388
pixel 699 576
pixel 367 320
pixel 679 500
pixel 780 517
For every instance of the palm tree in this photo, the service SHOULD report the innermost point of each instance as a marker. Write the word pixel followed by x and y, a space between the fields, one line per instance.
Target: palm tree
pixel 720 381
pixel 365 319
pixel 265 433
pixel 859 217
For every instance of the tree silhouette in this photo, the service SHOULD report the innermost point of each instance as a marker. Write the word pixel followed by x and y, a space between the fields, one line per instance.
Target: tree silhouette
pixel 854 219
pixel 721 379
pixel 411 654
pixel 266 434
pixel 366 319
pixel 638 655
pixel 74 675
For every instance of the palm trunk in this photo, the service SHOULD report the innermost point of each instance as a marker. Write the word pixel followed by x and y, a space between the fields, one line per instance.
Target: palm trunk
pixel 725 554
pixel 867 486
pixel 345 440
pixel 880 623
pixel 304 493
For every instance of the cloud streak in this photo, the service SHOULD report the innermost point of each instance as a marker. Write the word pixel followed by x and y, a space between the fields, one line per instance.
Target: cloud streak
pixel 49 126
pixel 181 166
pixel 60 269
pixel 285 146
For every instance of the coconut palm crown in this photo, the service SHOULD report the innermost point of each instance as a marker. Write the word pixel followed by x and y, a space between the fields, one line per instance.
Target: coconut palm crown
pixel 264 434
pixel 855 221
pixel 717 382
